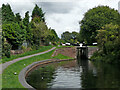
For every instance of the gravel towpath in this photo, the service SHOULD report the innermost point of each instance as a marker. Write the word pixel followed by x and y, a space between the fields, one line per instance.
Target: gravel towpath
pixel 5 65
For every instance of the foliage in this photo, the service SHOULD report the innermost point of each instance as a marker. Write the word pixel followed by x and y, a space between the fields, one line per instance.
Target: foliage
pixel 7 14
pixel 108 39
pixel 54 35
pixel 70 37
pixel 0 32
pixel 26 19
pixel 27 24
pixel 66 36
pixel 37 12
pixel 41 35
pixel 6 47
pixel 17 30
pixel 13 30
pixel 14 34
pixel 96 18
pixel 40 32
pixel 18 18
pixel 0 17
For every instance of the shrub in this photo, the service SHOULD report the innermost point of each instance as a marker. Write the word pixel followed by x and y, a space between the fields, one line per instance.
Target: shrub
pixel 6 50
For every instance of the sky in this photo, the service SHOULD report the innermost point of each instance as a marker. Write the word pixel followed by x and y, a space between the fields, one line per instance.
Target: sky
pixel 61 15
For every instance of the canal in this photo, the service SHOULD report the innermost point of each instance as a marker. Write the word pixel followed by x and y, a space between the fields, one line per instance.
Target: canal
pixel 75 74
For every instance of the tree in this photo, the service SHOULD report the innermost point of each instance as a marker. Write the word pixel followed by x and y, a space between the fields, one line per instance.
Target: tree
pixel 108 39
pixel 26 19
pixel 94 19
pixel 37 12
pixel 0 32
pixel 7 14
pixel 13 30
pixel 66 36
pixel 74 35
pixel 6 47
pixel 28 28
pixel 40 33
pixel 0 17
pixel 18 18
pixel 14 34
pixel 108 33
pixel 70 37
pixel 54 35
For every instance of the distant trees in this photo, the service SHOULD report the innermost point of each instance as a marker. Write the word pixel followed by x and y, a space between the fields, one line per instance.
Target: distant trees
pixel 66 36
pixel 70 37
pixel 94 19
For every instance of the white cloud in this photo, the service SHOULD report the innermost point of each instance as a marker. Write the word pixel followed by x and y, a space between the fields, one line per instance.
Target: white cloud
pixel 63 15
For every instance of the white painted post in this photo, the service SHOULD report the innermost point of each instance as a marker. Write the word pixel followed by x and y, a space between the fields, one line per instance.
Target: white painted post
pixel 81 44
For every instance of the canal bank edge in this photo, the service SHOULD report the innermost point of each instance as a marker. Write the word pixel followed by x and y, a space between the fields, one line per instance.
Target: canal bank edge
pixel 27 69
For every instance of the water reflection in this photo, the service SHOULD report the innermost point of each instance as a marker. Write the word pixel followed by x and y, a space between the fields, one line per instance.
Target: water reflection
pixel 75 74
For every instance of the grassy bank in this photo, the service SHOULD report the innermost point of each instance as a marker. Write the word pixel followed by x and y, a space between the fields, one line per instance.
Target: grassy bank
pixel 64 46
pixel 60 56
pixel 42 48
pixel 92 46
pixel 11 81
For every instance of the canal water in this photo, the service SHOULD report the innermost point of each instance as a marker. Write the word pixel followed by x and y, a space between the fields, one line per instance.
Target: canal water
pixel 75 74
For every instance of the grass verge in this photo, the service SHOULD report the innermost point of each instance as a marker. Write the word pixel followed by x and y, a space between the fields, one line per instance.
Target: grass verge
pixel 92 46
pixel 64 46
pixel 9 80
pixel 43 48
pixel 60 56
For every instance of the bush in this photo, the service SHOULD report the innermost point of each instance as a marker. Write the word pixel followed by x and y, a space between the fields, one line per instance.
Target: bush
pixel 96 56
pixel 6 50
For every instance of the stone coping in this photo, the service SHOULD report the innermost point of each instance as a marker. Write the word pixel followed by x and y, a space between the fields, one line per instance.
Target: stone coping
pixel 26 70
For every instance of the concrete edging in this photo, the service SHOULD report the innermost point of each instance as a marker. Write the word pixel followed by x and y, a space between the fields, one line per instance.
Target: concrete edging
pixel 27 69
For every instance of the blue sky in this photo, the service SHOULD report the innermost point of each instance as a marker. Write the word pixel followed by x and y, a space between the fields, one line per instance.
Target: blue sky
pixel 61 15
